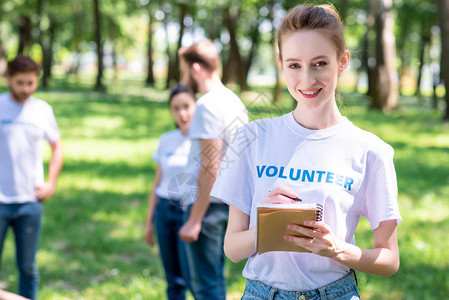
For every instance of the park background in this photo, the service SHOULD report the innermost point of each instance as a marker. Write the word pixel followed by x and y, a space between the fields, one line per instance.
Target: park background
pixel 111 112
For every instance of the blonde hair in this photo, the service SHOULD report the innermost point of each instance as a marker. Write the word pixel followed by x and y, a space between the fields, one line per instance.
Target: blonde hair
pixel 322 18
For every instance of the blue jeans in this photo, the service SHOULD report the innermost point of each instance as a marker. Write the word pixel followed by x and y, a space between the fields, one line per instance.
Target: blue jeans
pixel 344 288
pixel 25 220
pixel 168 219
pixel 206 256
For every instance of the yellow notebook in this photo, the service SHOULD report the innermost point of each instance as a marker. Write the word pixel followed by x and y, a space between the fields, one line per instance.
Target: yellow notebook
pixel 272 222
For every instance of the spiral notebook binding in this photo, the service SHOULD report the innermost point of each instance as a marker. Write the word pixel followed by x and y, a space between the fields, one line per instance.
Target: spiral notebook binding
pixel 319 214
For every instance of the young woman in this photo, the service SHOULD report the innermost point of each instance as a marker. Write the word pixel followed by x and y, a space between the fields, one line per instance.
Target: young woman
pixel 318 155
pixel 165 208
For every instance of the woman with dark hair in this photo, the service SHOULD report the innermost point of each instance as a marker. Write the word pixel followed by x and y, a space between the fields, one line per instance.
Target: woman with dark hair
pixel 165 208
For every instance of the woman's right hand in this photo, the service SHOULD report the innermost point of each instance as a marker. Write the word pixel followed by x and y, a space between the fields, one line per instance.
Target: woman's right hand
pixel 149 233
pixel 276 196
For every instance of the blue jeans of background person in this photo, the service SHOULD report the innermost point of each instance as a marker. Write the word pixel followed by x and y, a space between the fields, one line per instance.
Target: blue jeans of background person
pixel 168 219
pixel 206 256
pixel 341 289
pixel 25 221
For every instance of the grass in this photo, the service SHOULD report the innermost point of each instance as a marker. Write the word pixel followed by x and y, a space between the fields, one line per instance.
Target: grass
pixel 92 245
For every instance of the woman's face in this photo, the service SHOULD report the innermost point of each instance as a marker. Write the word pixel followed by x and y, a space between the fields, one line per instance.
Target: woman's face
pixel 182 107
pixel 311 67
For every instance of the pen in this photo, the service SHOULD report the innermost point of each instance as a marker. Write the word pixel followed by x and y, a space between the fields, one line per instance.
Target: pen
pixel 293 198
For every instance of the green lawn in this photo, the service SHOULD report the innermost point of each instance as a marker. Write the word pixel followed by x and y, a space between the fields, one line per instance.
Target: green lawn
pixel 92 244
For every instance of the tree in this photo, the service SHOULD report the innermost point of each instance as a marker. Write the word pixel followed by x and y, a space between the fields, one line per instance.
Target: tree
pixel 99 86
pixel 443 13
pixel 150 75
pixel 384 91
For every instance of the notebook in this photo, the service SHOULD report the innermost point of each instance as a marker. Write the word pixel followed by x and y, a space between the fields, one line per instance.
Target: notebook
pixel 272 221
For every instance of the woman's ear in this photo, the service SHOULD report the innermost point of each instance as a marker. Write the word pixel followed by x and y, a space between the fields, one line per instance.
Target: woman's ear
pixel 344 61
pixel 279 60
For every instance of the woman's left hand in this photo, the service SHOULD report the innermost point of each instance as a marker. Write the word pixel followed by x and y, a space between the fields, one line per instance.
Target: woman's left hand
pixel 319 238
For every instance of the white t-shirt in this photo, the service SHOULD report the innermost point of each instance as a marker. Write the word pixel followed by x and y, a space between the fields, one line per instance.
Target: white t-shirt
pixel 171 156
pixel 217 116
pixel 22 130
pixel 347 170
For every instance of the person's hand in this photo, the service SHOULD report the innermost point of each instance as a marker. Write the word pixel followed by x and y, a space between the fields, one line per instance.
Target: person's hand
pixel 149 233
pixel 44 191
pixel 190 231
pixel 276 196
pixel 319 238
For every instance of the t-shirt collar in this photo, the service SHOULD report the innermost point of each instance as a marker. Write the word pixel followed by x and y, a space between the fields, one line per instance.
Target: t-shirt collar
pixel 310 134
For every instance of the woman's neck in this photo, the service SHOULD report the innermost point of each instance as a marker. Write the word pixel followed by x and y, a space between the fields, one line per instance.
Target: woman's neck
pixel 317 118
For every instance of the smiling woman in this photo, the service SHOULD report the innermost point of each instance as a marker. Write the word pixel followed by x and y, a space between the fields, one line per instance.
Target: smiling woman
pixel 346 170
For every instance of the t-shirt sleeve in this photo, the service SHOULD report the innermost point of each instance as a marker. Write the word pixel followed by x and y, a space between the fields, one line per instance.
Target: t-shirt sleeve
pixel 206 123
pixel 234 184
pixel 380 202
pixel 51 132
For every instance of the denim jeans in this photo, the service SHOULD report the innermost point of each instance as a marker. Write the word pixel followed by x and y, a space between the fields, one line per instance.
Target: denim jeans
pixel 206 256
pixel 344 288
pixel 168 219
pixel 25 220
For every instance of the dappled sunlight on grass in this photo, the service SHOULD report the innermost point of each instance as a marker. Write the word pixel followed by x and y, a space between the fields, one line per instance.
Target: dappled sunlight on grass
pixel 92 244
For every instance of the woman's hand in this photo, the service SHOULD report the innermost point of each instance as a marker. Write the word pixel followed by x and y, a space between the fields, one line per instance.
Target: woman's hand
pixel 319 238
pixel 149 233
pixel 280 195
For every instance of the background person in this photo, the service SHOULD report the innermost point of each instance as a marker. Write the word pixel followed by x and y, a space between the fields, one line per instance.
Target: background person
pixel 349 171
pixel 165 209
pixel 219 112
pixel 25 122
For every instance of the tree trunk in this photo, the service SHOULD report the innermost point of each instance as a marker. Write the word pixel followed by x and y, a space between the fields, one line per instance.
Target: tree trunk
pixel 3 60
pixel 443 12
pixel 422 47
pixel 24 34
pixel 385 96
pixel 47 51
pixel 254 36
pixel 183 11
pixel 170 58
pixel 97 17
pixel 150 73
pixel 277 86
pixel 233 71
pixel 366 53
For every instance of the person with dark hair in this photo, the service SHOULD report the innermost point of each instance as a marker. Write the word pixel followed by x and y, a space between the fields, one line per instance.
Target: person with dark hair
pixel 318 155
pixel 165 207
pixel 219 112
pixel 25 122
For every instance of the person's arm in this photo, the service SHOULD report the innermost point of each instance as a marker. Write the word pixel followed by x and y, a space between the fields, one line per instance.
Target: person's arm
pixel 210 161
pixel 47 189
pixel 4 295
pixel 152 202
pixel 240 241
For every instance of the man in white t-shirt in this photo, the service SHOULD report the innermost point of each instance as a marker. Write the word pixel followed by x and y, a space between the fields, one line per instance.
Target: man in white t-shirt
pixel 24 123
pixel 218 114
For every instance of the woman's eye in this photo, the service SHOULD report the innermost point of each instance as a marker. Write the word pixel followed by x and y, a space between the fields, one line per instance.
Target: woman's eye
pixel 294 66
pixel 320 64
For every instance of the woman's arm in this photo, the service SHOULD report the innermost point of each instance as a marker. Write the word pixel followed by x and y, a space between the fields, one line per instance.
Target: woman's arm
pixel 239 240
pixel 152 202
pixel 382 260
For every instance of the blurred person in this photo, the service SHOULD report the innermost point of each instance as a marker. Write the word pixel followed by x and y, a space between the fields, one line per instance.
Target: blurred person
pixel 25 122
pixel 318 155
pixel 219 112
pixel 165 209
